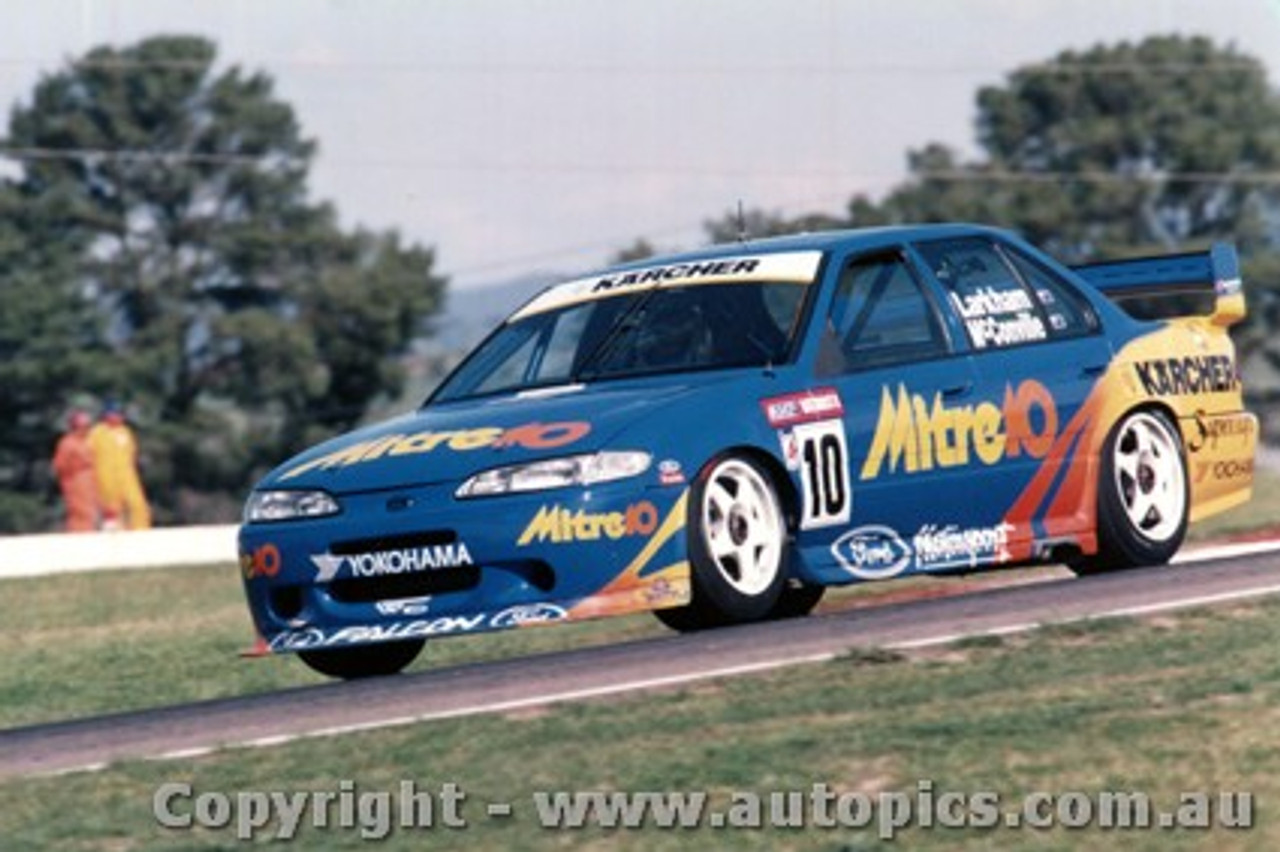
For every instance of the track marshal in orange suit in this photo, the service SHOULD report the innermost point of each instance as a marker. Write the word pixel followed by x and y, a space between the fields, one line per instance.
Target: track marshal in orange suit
pixel 115 458
pixel 73 466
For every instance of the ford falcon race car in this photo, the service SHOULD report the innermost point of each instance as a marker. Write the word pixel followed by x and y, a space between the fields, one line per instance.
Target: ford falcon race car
pixel 718 436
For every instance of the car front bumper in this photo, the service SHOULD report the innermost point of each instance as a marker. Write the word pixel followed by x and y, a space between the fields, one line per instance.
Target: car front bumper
pixel 418 563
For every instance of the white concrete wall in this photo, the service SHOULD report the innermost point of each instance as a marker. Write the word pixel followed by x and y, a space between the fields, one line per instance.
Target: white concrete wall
pixel 63 553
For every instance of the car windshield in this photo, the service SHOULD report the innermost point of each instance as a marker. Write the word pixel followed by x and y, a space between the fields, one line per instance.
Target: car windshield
pixel 638 332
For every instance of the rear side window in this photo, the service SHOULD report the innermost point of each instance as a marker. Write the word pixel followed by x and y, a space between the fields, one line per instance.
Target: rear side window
pixel 881 316
pixel 1066 310
pixel 997 309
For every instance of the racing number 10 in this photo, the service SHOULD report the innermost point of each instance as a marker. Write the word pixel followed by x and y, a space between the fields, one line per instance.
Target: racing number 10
pixel 824 471
pixel 822 458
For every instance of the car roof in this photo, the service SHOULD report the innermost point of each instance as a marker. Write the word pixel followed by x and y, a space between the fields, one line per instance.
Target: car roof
pixel 857 239
pixel 854 238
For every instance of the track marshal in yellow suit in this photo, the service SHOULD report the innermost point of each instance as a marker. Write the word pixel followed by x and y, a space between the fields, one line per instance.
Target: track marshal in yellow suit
pixel 115 455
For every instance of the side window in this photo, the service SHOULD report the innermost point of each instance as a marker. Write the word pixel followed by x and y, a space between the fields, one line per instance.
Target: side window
pixel 997 310
pixel 1068 313
pixel 512 365
pixel 881 316
pixel 545 356
pixel 557 359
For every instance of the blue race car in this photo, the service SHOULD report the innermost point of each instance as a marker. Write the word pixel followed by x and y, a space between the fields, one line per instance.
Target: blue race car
pixel 720 435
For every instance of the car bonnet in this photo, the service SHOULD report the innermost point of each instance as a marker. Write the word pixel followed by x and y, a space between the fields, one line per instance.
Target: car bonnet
pixel 448 443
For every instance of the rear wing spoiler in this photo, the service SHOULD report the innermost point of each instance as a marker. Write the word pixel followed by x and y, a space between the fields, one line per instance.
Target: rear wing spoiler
pixel 1199 275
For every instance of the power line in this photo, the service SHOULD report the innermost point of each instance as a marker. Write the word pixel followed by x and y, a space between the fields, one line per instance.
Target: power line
pixel 1155 178
pixel 976 175
pixel 657 233
pixel 143 155
pixel 1083 67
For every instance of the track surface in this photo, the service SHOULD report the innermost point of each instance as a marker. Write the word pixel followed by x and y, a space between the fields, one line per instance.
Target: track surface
pixel 333 708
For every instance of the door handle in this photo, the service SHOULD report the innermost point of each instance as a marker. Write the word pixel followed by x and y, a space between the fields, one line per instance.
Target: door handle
pixel 958 389
pixel 1093 369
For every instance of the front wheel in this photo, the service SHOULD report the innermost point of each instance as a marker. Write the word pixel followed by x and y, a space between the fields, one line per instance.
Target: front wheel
pixel 797 600
pixel 1143 495
pixel 383 658
pixel 737 547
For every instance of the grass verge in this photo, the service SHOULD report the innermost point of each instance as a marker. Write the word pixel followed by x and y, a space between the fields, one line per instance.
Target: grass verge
pixel 85 644
pixel 1161 706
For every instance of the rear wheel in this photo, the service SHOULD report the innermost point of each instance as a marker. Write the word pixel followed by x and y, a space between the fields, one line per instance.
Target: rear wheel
pixel 737 547
pixel 384 658
pixel 1143 495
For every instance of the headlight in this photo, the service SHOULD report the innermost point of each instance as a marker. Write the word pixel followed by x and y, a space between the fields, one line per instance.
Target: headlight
pixel 287 505
pixel 555 473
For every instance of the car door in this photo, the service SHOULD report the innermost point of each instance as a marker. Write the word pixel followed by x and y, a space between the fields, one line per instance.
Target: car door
pixel 1037 353
pixel 887 349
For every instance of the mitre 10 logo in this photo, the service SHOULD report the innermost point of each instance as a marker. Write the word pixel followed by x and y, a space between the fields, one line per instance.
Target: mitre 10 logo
pixel 559 525
pixel 917 433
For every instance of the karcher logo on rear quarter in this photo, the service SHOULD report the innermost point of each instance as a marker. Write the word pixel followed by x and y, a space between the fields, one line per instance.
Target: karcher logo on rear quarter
pixel 560 525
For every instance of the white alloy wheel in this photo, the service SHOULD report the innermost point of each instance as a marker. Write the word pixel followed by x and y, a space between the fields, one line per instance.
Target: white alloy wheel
pixel 1150 479
pixel 742 527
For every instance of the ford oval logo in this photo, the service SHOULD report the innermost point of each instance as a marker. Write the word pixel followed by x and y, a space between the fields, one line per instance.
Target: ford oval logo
pixel 534 613
pixel 873 552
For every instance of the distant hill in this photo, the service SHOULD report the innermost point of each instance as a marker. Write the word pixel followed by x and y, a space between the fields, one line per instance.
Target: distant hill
pixel 472 313
pixel 468 316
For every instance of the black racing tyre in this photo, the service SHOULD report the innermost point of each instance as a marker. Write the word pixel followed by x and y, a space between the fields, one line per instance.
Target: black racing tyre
pixel 737 547
pixel 797 600
pixel 1143 495
pixel 383 658
pixel 690 618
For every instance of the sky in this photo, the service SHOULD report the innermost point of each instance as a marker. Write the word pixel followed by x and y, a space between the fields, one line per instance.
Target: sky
pixel 524 136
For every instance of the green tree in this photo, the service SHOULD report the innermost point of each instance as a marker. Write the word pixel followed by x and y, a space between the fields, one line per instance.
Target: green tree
pixel 1165 145
pixel 48 343
pixel 638 250
pixel 1120 150
pixel 1115 150
pixel 239 320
